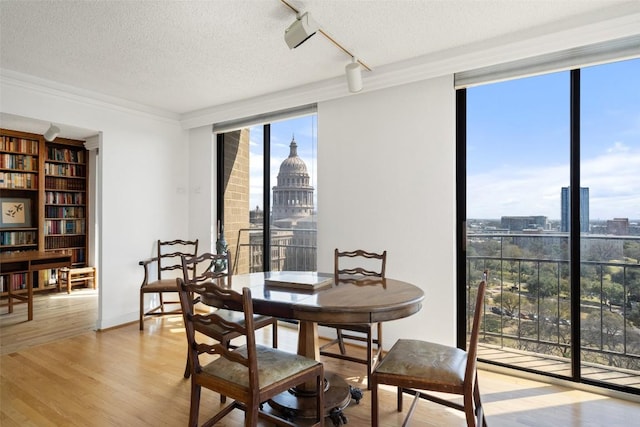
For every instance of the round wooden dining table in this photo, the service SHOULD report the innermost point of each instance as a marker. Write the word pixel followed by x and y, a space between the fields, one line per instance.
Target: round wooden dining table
pixel 349 300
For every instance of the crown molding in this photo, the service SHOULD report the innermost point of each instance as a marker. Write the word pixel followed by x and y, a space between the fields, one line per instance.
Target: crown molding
pixel 81 96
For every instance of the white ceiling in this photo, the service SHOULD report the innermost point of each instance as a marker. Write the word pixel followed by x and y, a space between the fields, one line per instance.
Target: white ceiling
pixel 179 57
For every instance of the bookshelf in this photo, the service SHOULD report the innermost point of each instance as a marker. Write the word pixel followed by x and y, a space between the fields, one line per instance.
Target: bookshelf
pixel 65 199
pixel 43 195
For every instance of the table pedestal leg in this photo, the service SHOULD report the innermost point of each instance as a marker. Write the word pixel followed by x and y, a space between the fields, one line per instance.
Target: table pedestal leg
pixel 296 403
pixel 300 402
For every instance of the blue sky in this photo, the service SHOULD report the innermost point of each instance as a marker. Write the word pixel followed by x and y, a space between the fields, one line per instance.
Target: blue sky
pixel 518 143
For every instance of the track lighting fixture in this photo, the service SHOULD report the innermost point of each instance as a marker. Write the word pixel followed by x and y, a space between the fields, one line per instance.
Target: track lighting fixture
pixel 304 27
pixel 354 76
pixel 301 29
pixel 51 133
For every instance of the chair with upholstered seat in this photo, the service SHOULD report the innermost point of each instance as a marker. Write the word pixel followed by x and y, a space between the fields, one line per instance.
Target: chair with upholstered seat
pixel 251 374
pixel 419 367
pixel 375 264
pixel 217 268
pixel 168 263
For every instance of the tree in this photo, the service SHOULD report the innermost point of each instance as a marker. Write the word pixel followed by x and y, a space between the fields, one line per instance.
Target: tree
pixel 544 286
pixel 632 250
pixel 509 301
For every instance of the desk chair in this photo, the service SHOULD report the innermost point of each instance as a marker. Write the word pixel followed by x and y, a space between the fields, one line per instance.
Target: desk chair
pixel 413 365
pixel 250 374
pixel 217 268
pixel 359 332
pixel 169 258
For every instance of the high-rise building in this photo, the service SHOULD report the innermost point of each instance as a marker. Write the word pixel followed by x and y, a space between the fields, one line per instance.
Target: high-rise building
pixel 565 209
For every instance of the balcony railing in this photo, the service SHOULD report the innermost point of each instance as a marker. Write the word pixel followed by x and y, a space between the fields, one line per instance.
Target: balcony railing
pixel 527 308
pixel 292 249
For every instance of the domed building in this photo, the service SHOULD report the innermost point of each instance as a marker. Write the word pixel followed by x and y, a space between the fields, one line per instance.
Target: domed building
pixel 292 196
pixel 293 219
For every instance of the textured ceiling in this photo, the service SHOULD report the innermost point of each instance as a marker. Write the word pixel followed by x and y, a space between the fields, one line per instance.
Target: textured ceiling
pixel 183 56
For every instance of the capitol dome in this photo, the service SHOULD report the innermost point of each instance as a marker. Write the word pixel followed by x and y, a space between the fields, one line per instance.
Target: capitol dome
pixel 293 164
pixel 293 195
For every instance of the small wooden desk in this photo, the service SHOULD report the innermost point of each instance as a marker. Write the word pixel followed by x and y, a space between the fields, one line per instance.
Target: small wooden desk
pixel 349 301
pixel 30 262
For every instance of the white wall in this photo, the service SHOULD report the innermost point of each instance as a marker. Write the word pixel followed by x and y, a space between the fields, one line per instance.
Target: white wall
pixel 386 162
pixel 202 188
pixel 143 185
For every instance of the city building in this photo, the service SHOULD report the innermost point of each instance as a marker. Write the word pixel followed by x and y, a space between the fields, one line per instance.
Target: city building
pixel 520 223
pixel 618 226
pixel 565 224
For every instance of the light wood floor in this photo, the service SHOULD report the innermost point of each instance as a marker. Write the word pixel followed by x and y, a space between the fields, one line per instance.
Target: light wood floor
pixel 124 377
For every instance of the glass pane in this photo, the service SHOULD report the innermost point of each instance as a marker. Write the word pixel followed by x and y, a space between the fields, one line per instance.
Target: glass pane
pixel 517 165
pixel 293 198
pixel 610 264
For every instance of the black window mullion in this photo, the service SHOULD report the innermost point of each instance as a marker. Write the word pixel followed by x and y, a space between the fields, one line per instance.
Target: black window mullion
pixel 220 178
pixel 266 198
pixel 574 232
pixel 461 217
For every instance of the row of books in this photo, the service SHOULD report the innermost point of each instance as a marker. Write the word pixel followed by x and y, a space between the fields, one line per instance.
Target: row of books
pixel 64 242
pixel 64 170
pixel 17 281
pixel 18 180
pixel 65 155
pixel 22 145
pixel 64 226
pixel 64 211
pixel 58 198
pixel 78 255
pixel 13 281
pixel 19 161
pixel 52 183
pixel 9 238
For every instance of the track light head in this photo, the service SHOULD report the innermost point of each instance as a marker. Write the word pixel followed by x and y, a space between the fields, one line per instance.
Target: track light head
pixel 301 29
pixel 51 133
pixel 354 76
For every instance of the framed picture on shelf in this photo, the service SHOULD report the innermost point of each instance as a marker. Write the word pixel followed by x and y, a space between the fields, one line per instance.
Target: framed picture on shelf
pixel 15 212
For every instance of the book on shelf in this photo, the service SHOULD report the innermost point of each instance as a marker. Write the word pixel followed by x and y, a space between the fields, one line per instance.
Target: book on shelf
pixel 304 280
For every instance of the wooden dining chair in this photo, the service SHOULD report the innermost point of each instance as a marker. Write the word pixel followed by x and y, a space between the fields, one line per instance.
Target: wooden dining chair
pixel 357 332
pixel 168 265
pixel 251 374
pixel 217 268
pixel 419 367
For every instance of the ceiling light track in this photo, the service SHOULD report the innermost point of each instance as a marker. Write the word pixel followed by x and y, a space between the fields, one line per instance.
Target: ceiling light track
pixel 331 39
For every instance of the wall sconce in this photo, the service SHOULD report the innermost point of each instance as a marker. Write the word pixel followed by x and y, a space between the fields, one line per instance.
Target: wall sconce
pixel 354 76
pixel 51 133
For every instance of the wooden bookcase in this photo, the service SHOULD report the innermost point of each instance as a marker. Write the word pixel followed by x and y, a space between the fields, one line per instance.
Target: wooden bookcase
pixel 49 181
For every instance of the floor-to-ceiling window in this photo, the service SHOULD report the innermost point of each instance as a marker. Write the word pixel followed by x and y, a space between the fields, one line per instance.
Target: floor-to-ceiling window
pixel 563 266
pixel 610 247
pixel 267 195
